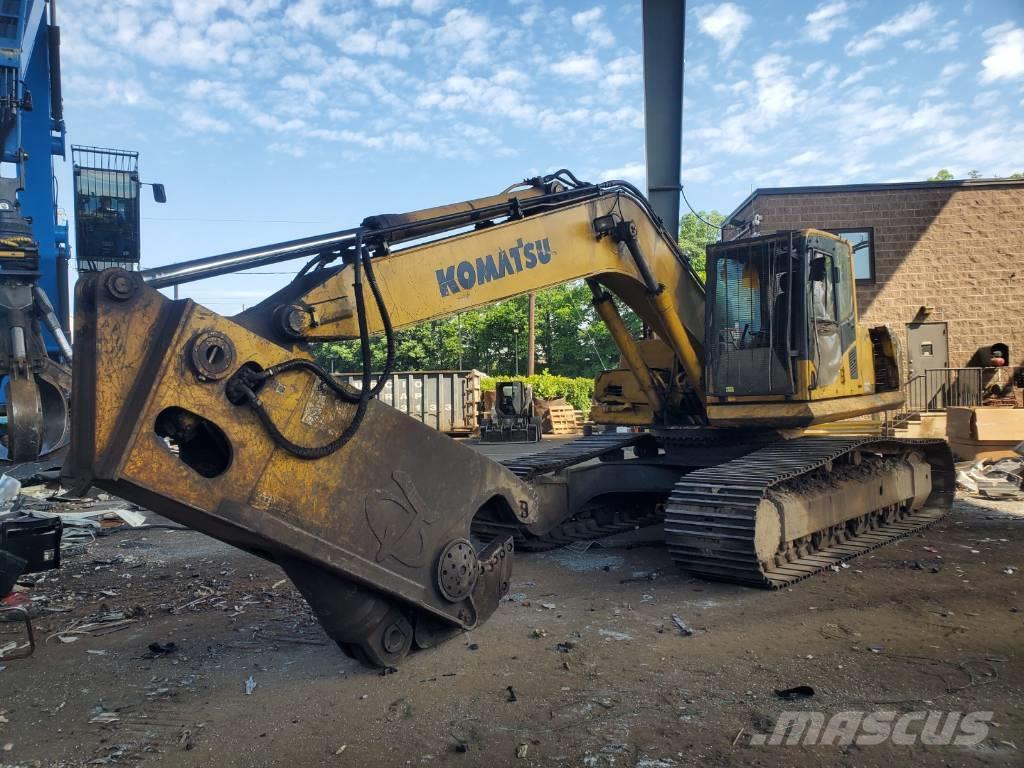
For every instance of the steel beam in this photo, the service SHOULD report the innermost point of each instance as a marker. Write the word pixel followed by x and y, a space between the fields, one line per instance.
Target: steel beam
pixel 664 24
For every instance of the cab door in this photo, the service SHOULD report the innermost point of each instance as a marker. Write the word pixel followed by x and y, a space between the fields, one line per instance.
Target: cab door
pixel 832 317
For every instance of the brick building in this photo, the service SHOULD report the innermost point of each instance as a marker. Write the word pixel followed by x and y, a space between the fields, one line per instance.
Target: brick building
pixel 942 263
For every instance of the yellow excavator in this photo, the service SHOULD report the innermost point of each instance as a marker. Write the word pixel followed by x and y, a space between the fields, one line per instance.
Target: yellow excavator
pixel 399 536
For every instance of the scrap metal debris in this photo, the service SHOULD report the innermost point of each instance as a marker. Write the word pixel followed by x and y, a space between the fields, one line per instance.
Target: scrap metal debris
pixel 96 625
pixel 684 630
pixel 998 479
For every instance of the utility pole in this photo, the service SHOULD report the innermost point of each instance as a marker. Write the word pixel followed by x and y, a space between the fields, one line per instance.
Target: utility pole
pixel 515 335
pixel 531 337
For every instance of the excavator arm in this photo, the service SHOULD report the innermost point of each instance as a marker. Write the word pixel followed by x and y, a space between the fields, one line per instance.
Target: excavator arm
pixel 226 424
pixel 604 233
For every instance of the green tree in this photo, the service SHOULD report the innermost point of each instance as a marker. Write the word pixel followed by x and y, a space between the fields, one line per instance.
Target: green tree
pixel 942 175
pixel 1017 175
pixel 695 236
pixel 571 339
pixel 974 174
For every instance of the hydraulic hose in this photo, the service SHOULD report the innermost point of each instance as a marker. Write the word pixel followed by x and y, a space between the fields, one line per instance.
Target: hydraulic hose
pixel 243 386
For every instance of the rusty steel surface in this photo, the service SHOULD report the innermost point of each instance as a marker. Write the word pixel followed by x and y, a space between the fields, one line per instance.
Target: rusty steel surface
pixel 359 531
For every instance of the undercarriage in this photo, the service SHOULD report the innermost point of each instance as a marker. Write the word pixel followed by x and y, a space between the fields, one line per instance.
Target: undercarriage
pixel 771 515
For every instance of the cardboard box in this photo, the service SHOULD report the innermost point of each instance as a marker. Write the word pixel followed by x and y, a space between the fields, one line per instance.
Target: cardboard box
pixel 984 433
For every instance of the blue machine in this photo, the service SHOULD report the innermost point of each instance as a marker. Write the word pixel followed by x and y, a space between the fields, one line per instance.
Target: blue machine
pixel 34 251
pixel 30 52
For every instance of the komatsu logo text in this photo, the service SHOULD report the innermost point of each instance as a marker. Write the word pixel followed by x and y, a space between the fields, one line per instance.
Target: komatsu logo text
pixel 466 274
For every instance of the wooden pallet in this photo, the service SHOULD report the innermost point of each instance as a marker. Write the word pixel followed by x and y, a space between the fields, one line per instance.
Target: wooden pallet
pixel 563 420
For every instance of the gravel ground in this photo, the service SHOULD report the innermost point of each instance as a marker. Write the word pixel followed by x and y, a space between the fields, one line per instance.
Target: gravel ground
pixel 582 666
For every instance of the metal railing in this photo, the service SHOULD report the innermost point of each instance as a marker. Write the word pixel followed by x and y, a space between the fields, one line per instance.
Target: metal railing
pixel 941 388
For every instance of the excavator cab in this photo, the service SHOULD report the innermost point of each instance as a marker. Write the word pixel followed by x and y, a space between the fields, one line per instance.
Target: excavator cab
pixel 781 326
pixel 750 312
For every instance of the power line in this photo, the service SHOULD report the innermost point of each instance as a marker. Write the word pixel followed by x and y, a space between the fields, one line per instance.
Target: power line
pixel 701 218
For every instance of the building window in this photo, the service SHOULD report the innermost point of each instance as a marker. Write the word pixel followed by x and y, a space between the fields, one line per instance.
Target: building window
pixel 863 244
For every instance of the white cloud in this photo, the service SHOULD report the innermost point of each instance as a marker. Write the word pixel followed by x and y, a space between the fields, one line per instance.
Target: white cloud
pixel 342 115
pixel 635 172
pixel 510 76
pixel 364 42
pixel 952 70
pixel 698 72
pixel 469 31
pixel 195 121
pixel 859 75
pixel 408 140
pixel 476 94
pixel 777 93
pixel 529 17
pixel 196 10
pixel 813 67
pixel 864 45
pixel 426 7
pixel 286 149
pixel 578 67
pixel 909 21
pixel 731 135
pixel 826 19
pixel 986 100
pixel 725 23
pixel 305 13
pixel 697 174
pixel 914 18
pixel 947 42
pixel 1005 59
pixel 805 158
pixel 623 71
pixel 94 91
pixel 589 23
pixel 351 137
pixel 560 120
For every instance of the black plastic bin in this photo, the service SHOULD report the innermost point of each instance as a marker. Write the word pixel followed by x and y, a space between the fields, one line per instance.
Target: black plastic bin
pixel 35 540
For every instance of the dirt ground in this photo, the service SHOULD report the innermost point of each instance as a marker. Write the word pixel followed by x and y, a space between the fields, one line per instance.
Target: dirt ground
pixel 581 666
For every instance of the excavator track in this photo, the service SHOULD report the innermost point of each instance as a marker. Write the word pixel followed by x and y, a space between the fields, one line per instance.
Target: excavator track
pixel 711 514
pixel 571 453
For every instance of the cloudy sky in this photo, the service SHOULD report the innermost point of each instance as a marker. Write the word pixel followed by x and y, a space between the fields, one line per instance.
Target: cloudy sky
pixel 273 119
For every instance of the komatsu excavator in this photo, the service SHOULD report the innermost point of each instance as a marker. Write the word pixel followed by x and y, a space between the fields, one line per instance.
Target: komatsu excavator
pixel 399 536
